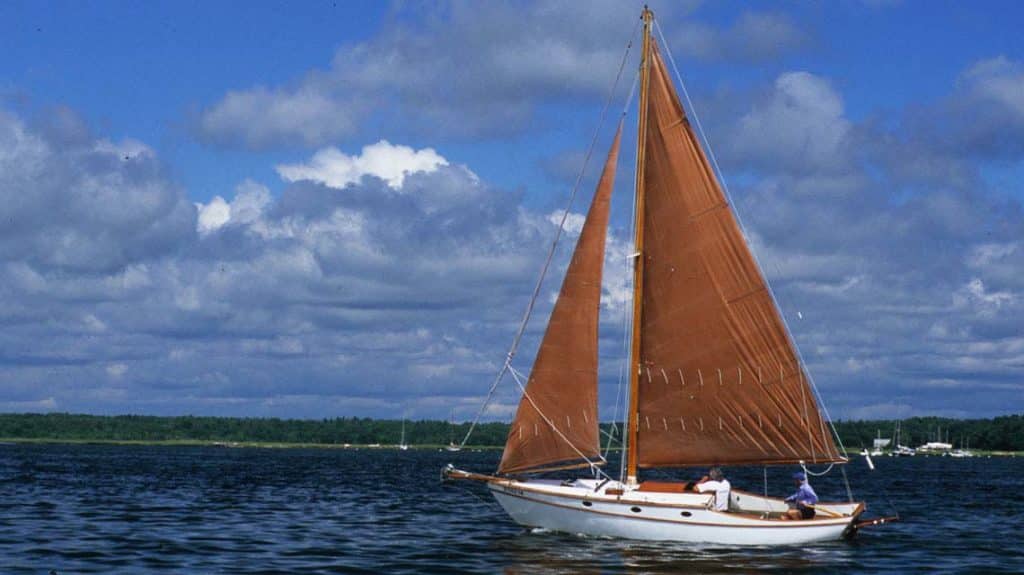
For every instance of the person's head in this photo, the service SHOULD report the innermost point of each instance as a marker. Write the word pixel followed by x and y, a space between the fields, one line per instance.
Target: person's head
pixel 799 477
pixel 715 473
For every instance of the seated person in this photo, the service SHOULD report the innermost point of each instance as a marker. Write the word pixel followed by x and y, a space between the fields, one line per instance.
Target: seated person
pixel 715 481
pixel 802 502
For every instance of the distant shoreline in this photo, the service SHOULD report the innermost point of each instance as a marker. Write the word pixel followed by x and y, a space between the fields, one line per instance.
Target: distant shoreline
pixel 852 454
pixel 228 444
pixel 999 436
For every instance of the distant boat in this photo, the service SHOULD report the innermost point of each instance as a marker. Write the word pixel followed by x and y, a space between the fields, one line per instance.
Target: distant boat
pixel 714 378
pixel 452 446
pixel 901 450
pixel 402 445
pixel 963 451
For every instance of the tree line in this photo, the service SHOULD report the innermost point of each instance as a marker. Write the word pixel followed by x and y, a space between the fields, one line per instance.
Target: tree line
pixel 1004 433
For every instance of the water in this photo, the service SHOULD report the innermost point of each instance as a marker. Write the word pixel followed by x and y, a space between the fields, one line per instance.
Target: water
pixel 131 509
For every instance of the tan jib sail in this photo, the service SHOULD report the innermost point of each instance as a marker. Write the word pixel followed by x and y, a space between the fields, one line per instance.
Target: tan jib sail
pixel 556 423
pixel 720 381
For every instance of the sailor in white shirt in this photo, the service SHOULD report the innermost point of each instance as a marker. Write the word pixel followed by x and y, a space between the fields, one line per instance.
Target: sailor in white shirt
pixel 715 481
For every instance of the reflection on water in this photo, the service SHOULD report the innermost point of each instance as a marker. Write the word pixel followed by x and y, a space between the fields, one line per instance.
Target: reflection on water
pixel 544 552
pixel 129 509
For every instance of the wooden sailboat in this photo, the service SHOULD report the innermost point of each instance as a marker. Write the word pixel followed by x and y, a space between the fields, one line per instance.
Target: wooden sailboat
pixel 715 378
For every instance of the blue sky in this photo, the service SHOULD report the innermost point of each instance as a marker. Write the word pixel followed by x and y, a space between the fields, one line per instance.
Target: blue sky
pixel 196 223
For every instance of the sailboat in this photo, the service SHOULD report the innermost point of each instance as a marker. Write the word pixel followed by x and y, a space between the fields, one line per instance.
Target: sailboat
pixel 402 444
pixel 901 450
pixel 714 376
pixel 963 451
pixel 452 446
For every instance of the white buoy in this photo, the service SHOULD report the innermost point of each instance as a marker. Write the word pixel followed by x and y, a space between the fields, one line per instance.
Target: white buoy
pixel 871 464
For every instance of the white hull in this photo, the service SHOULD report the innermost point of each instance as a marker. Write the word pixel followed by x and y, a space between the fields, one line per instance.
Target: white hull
pixel 653 516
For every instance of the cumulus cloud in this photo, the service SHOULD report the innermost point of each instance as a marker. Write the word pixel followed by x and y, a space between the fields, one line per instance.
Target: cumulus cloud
pixel 76 203
pixel 291 305
pixel 383 160
pixel 401 291
pixel 251 199
pixel 213 214
pixel 453 70
pixel 307 114
pixel 800 125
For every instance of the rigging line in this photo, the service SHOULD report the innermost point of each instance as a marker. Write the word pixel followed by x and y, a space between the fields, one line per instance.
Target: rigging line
pixel 846 482
pixel 594 466
pixel 739 221
pixel 554 245
pixel 627 311
pixel 625 315
pixel 813 474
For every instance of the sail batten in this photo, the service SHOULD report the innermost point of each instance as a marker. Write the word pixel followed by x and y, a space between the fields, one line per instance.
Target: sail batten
pixel 556 425
pixel 708 315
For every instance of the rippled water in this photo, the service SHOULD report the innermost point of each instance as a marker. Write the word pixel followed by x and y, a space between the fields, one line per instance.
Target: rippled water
pixel 129 509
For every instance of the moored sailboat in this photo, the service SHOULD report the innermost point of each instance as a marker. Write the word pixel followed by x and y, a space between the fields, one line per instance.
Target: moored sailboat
pixel 452 446
pixel 402 445
pixel 714 376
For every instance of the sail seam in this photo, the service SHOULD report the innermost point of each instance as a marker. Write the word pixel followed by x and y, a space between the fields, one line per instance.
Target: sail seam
pixel 516 377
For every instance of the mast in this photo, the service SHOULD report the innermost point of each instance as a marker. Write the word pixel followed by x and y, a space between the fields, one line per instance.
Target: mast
pixel 638 256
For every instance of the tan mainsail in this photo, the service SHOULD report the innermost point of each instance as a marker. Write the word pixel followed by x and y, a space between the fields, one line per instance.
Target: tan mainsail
pixel 563 382
pixel 719 378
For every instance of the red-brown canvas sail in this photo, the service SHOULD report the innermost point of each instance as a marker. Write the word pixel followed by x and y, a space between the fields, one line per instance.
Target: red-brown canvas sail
pixel 563 382
pixel 720 381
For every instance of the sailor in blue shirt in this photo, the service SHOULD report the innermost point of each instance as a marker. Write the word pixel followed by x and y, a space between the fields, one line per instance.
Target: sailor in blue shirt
pixel 802 502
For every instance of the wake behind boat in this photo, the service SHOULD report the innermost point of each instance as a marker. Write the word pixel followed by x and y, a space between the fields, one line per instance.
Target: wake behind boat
pixel 714 378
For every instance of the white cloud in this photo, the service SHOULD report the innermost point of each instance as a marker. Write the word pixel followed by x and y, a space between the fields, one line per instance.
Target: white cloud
pixel 987 302
pixel 250 200
pixel 212 215
pixel 260 117
pixel 126 149
pixel 800 127
pixel 312 294
pixel 573 222
pixel 454 70
pixel 391 163
pixel 999 81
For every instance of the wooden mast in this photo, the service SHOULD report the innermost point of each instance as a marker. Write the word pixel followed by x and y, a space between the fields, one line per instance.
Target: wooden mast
pixel 632 423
